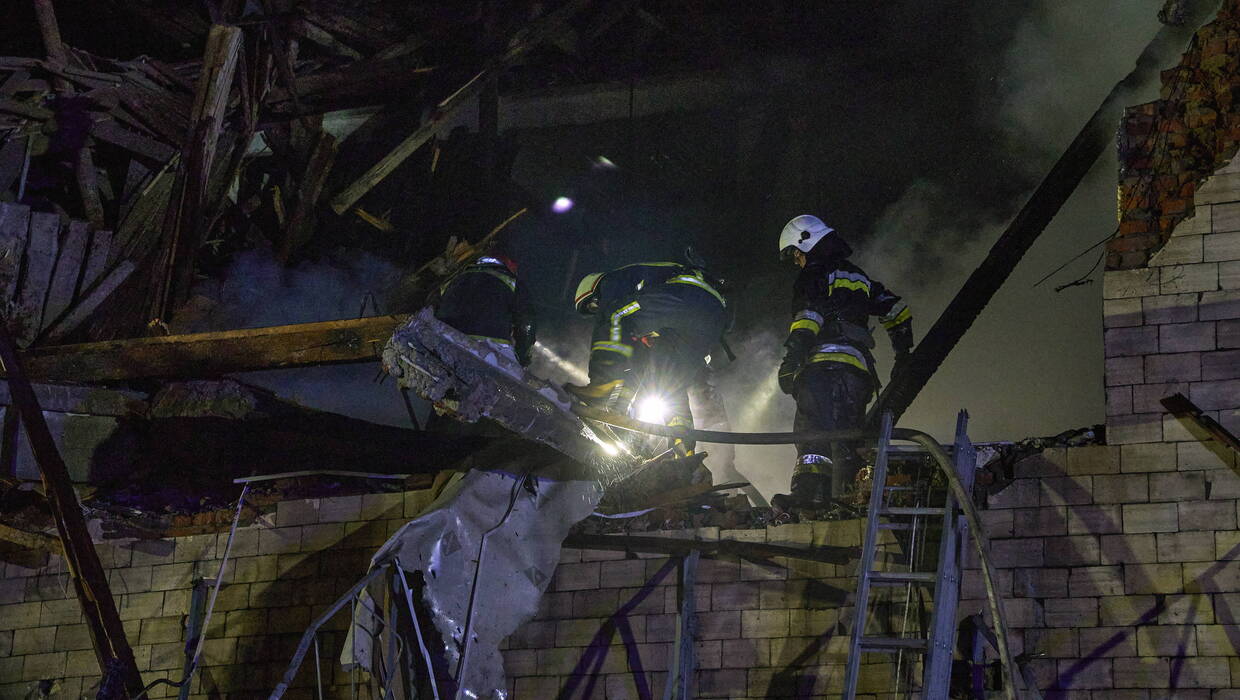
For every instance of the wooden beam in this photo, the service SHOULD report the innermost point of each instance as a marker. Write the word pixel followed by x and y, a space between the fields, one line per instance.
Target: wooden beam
pixel 31 540
pixel 1182 408
pixel 67 272
pixel 302 220
pixel 213 354
pixel 112 649
pixel 535 34
pixel 14 232
pixel 89 302
pixel 41 250
pixel 183 227
pixel 50 30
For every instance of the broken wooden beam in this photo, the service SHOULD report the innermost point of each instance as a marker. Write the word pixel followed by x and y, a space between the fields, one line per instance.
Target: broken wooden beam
pixel 183 222
pixel 107 634
pixel 302 219
pixel 39 541
pixel 41 251
pixel 1182 408
pixel 67 271
pixel 213 354
pixel 531 36
pixel 678 546
pixel 89 302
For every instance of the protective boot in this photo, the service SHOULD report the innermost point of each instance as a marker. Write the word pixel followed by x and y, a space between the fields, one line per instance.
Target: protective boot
pixel 810 491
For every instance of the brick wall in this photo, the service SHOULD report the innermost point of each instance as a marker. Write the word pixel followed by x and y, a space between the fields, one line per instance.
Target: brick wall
pixel 1119 561
pixel 1174 326
pixel 1169 147
pixel 607 626
pixel 1119 567
pixel 284 569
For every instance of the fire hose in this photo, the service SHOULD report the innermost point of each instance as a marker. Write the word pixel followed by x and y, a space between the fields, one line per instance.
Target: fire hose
pixel 936 451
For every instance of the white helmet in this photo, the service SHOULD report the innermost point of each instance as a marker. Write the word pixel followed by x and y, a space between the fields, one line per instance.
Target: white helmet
pixel 802 233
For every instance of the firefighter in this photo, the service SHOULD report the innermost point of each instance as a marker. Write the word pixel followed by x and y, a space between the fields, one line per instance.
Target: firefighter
pixel 828 366
pixel 485 301
pixel 656 322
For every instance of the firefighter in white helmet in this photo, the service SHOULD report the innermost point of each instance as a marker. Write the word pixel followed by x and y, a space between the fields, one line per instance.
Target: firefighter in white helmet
pixel 828 366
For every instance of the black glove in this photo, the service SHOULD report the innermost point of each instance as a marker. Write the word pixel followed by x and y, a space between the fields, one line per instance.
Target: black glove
pixel 901 363
pixel 788 375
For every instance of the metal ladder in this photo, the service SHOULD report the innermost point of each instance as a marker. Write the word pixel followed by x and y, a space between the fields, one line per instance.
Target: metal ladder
pixel 938 647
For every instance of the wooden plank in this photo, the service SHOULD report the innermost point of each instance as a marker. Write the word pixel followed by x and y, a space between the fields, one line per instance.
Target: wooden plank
pixel 151 150
pixel 24 109
pixel 40 261
pixel 213 354
pixel 88 184
pixel 14 232
pixel 90 581
pixel 50 30
pixel 96 260
pixel 183 224
pixel 529 37
pixel 68 271
pixel 302 220
pixel 31 540
pixel 90 301
pixel 12 160
pixel 14 83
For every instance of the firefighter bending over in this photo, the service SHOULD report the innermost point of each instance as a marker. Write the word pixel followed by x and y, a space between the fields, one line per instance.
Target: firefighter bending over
pixel 828 366
pixel 485 301
pixel 656 322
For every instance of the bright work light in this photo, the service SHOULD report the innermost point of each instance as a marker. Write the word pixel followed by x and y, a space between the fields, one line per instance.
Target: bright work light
pixel 652 409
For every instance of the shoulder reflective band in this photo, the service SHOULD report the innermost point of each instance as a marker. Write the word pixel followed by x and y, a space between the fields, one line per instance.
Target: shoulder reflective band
pixel 619 315
pixel 618 348
pixel 697 281
pixel 898 314
pixel 488 261
pixel 806 320
pixel 843 279
pixel 830 352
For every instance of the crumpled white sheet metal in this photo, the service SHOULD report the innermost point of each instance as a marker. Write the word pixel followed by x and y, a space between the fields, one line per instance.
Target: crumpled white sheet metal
pixel 517 561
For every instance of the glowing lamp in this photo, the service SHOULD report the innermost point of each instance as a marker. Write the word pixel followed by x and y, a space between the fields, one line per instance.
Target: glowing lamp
pixel 652 409
pixel 561 205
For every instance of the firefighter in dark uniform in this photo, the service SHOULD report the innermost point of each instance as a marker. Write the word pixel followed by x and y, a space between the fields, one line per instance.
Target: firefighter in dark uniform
pixel 485 301
pixel 828 366
pixel 656 322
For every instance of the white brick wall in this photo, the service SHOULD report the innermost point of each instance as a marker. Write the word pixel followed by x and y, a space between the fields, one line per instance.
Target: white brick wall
pixel 1175 325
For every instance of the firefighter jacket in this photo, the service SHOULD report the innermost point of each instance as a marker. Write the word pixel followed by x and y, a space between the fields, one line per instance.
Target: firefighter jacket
pixel 485 301
pixel 640 302
pixel 833 301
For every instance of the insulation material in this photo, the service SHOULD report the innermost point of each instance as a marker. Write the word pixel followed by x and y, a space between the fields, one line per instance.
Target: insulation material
pixel 486 549
pixel 473 381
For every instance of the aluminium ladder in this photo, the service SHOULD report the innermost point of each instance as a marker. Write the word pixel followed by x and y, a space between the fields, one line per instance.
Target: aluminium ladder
pixel 939 646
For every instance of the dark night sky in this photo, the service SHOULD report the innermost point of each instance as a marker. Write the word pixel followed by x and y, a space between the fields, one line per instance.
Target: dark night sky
pixel 919 130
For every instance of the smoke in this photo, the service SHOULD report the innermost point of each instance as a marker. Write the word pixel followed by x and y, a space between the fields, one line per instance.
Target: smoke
pixel 1032 363
pixel 258 291
pixel 1062 60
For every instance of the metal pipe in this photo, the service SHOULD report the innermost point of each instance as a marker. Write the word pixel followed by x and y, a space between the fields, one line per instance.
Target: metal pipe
pixel 307 638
